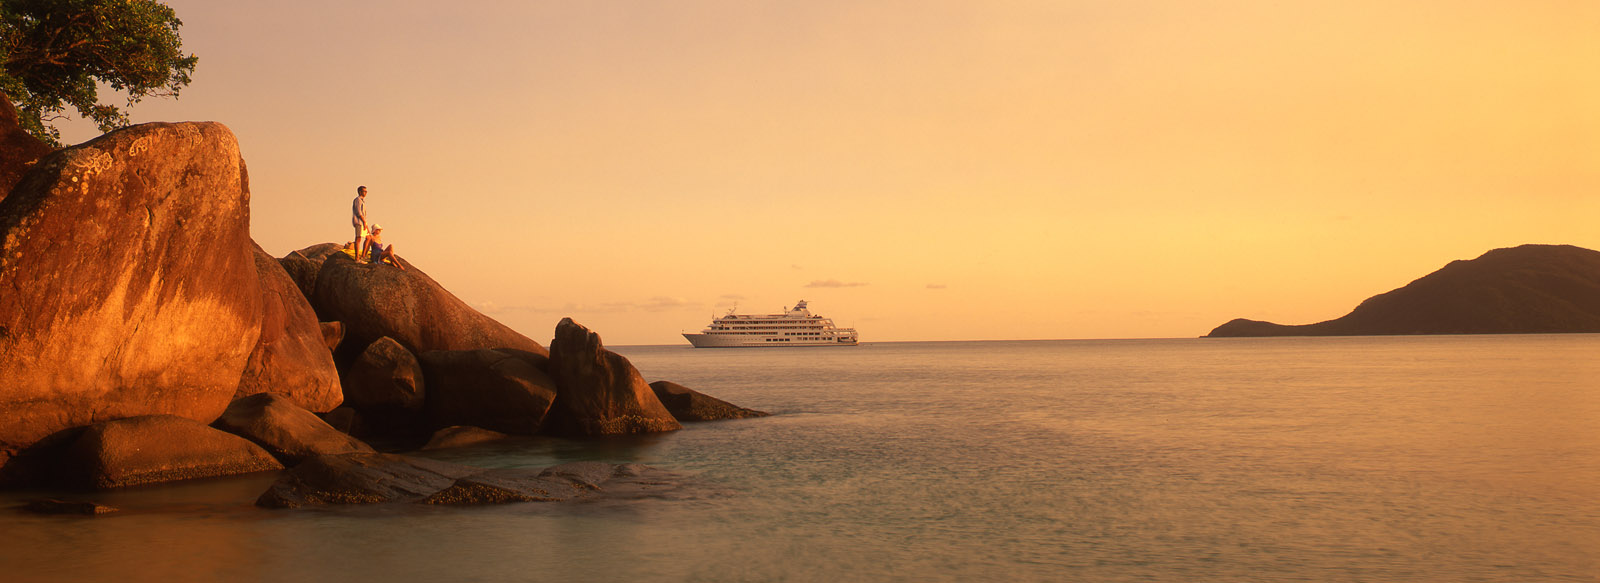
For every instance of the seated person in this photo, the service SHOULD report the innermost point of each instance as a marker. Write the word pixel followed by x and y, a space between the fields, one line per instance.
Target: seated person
pixel 378 251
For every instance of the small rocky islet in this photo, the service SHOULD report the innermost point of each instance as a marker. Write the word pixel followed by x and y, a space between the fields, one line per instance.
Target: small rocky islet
pixel 146 338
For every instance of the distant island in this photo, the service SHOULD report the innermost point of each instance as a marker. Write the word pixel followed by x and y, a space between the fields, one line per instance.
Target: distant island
pixel 1531 289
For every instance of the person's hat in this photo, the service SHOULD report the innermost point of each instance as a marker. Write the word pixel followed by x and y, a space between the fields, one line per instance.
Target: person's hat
pixel 376 227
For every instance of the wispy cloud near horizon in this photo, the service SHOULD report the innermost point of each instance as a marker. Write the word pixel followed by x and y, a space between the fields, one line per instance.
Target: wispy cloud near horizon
pixel 834 283
pixel 654 304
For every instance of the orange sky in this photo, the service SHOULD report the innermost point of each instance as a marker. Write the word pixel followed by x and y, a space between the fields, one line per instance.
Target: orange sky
pixel 921 170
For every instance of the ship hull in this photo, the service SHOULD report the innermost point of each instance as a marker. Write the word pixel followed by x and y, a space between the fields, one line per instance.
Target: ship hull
pixel 759 341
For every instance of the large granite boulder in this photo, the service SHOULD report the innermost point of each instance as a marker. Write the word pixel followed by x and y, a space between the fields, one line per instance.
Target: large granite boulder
pixel 159 448
pixel 493 389
pixel 377 299
pixel 687 404
pixel 599 391
pixel 127 285
pixel 302 265
pixel 18 149
pixel 292 357
pixel 285 430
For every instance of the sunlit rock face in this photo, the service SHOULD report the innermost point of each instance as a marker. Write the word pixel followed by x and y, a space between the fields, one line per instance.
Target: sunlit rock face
pixel 127 285
pixel 292 358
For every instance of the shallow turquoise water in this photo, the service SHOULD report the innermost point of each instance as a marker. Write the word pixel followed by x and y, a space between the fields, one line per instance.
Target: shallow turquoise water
pixel 1467 458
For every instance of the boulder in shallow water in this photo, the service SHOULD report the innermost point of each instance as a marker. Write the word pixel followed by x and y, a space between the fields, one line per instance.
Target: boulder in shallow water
pixel 129 283
pixel 567 481
pixel 494 389
pixel 598 391
pixel 54 506
pixel 284 429
pixel 687 404
pixel 379 478
pixel 361 478
pixel 159 448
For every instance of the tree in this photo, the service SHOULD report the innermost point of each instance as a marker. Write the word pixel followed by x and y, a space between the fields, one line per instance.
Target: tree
pixel 56 53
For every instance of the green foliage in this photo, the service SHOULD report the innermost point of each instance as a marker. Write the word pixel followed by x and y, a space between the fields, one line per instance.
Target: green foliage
pixel 55 53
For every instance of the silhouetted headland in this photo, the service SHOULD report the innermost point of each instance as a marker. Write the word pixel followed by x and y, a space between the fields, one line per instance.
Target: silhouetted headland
pixel 1531 289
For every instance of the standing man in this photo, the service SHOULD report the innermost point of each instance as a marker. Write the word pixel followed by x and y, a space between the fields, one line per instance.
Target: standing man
pixel 358 219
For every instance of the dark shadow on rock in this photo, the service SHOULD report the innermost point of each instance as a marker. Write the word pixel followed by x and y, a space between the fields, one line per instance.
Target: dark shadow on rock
pixel 500 390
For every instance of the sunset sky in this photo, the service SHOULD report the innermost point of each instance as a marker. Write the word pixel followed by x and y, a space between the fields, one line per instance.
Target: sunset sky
pixel 922 170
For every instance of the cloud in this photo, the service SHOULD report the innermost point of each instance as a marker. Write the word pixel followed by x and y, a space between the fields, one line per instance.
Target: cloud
pixel 664 303
pixel 655 304
pixel 937 286
pixel 834 283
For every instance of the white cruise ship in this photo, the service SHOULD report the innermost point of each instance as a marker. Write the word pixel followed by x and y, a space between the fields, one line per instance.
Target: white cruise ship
pixel 797 326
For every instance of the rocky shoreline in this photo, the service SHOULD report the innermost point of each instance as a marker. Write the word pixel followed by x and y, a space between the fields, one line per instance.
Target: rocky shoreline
pixel 146 338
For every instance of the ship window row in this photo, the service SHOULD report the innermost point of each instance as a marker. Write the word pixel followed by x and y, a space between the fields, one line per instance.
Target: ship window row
pixel 802 333
pixel 768 327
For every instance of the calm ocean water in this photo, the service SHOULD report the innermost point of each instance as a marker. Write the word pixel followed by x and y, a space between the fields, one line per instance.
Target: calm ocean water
pixel 1463 458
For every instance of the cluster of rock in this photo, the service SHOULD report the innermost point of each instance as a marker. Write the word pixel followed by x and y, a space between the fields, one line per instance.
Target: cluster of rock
pixel 144 337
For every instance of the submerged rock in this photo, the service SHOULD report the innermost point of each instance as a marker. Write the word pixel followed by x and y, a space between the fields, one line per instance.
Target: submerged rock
pixel 361 478
pixel 598 391
pixel 687 404
pixel 462 436
pixel 564 482
pixel 379 478
pixel 129 284
pixel 287 431
pixel 159 448
pixel 54 506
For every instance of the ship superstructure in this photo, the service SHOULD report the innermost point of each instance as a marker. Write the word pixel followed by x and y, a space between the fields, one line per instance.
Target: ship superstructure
pixel 796 326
